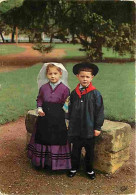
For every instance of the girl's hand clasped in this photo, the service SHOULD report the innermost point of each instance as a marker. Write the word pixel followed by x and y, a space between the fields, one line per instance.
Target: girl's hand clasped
pixel 41 113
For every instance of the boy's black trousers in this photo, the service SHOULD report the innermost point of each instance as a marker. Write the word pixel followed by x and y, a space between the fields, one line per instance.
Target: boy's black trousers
pixel 88 144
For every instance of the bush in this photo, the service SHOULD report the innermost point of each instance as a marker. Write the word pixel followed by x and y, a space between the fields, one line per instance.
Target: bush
pixel 43 48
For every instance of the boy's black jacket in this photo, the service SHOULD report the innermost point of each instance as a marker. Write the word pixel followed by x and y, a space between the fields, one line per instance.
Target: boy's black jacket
pixel 86 114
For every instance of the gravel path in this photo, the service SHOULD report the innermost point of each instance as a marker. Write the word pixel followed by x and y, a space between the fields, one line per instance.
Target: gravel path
pixel 18 177
pixel 27 58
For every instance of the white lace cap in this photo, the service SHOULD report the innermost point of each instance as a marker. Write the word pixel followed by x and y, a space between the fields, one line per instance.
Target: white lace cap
pixel 42 79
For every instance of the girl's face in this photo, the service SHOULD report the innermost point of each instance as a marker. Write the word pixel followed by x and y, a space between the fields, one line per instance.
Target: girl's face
pixel 85 78
pixel 53 75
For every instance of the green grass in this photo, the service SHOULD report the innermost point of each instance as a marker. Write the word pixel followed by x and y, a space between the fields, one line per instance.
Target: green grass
pixel 67 46
pixel 72 51
pixel 18 93
pixel 115 82
pixel 10 49
pixel 109 53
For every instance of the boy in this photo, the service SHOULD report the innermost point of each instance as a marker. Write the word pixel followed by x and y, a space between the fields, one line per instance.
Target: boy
pixel 86 115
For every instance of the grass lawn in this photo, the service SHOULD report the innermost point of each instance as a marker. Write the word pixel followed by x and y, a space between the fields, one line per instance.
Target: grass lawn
pixel 18 93
pixel 19 90
pixel 109 53
pixel 73 51
pixel 10 49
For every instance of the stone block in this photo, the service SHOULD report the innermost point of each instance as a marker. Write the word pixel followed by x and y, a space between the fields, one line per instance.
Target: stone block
pixel 108 162
pixel 28 136
pixel 30 120
pixel 111 148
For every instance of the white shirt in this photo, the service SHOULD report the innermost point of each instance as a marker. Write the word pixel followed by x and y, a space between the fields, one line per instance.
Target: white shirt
pixel 53 85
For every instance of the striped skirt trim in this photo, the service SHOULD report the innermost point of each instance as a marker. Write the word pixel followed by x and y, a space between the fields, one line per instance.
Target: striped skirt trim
pixel 47 153
pixel 55 156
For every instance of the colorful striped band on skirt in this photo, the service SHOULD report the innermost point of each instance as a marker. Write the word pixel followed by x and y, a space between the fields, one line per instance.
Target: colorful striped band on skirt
pixel 55 156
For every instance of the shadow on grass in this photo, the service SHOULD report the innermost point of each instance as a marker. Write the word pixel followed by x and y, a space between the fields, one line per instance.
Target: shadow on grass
pixel 105 60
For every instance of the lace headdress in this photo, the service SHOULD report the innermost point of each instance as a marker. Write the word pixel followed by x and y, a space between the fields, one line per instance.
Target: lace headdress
pixel 42 78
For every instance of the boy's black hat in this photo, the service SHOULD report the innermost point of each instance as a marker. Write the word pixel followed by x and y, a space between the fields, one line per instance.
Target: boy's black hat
pixel 81 65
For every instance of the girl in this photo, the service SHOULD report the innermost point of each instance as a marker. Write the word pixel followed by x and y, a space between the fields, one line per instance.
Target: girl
pixel 48 145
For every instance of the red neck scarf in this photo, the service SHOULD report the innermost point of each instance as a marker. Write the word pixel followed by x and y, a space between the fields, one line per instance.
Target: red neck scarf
pixel 87 90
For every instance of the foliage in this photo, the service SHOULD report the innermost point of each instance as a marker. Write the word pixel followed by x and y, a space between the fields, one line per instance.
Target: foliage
pixel 78 19
pixel 123 40
pixel 119 11
pixel 94 31
pixel 96 36
pixel 8 18
pixel 4 28
pixel 9 4
pixel 42 48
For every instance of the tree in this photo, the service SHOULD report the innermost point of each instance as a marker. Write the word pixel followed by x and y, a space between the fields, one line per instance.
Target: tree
pixel 123 39
pixel 89 21
pixel 8 19
pixel 118 11
pixel 4 28
pixel 94 31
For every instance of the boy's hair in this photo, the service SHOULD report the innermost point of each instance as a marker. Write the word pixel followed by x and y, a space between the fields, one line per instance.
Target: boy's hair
pixel 52 66
pixel 87 69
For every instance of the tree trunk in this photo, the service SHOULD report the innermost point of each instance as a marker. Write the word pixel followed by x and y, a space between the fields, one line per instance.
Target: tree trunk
pixel 2 37
pixel 73 39
pixel 29 39
pixel 16 35
pixel 51 38
pixel 13 34
pixel 99 50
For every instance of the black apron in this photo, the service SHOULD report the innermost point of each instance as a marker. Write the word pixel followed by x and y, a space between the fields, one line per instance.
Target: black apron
pixel 51 128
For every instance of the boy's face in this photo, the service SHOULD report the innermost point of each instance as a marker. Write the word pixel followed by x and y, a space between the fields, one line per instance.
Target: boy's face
pixel 85 78
pixel 53 75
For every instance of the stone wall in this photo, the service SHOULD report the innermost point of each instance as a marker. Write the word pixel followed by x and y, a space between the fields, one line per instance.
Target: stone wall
pixel 112 146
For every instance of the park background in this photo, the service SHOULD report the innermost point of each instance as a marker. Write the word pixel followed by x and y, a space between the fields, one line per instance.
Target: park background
pixel 34 32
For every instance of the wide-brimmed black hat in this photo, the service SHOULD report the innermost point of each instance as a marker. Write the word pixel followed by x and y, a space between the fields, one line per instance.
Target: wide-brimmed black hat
pixel 82 65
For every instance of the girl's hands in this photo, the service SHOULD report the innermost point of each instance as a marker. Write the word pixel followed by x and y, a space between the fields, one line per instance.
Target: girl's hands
pixel 97 133
pixel 40 112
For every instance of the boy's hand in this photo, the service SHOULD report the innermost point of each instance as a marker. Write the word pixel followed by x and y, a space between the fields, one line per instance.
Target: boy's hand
pixel 97 133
